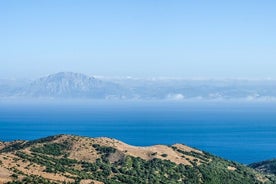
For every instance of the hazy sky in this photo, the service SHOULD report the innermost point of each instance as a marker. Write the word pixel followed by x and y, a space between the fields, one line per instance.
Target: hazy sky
pixel 142 38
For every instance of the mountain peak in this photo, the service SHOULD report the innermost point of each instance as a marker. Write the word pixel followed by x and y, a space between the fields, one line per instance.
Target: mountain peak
pixel 66 76
pixel 70 85
pixel 69 75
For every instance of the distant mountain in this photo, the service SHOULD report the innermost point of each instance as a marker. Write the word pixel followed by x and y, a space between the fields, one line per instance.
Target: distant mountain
pixel 268 166
pixel 74 159
pixel 71 85
pixel 203 89
pixel 10 87
pixel 76 85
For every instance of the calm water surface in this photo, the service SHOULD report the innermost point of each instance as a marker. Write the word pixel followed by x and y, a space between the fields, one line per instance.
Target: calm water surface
pixel 244 132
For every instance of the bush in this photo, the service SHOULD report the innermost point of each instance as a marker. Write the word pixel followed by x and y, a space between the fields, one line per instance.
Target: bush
pixel 55 149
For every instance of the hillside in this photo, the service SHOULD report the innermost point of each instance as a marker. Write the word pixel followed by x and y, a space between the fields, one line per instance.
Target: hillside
pixel 268 166
pixel 74 159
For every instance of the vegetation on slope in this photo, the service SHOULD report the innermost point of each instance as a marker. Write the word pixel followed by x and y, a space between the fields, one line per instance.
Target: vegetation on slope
pixel 111 165
pixel 268 166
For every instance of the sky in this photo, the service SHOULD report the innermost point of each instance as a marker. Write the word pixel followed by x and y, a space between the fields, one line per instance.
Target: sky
pixel 142 38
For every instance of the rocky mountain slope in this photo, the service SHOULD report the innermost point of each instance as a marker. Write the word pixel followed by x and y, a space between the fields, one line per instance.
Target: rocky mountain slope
pixel 71 85
pixel 74 159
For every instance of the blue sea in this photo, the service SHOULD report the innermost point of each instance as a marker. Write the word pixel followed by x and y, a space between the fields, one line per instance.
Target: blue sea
pixel 239 131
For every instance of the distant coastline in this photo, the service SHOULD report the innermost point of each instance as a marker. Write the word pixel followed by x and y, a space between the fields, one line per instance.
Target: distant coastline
pixel 69 85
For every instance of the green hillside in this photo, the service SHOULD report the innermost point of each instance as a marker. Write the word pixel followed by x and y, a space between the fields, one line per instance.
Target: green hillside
pixel 268 166
pixel 73 159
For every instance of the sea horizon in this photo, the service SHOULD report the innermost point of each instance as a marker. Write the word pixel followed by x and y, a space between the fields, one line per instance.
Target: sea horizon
pixel 242 132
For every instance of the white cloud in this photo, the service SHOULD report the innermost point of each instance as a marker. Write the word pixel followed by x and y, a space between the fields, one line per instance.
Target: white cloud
pixel 177 96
